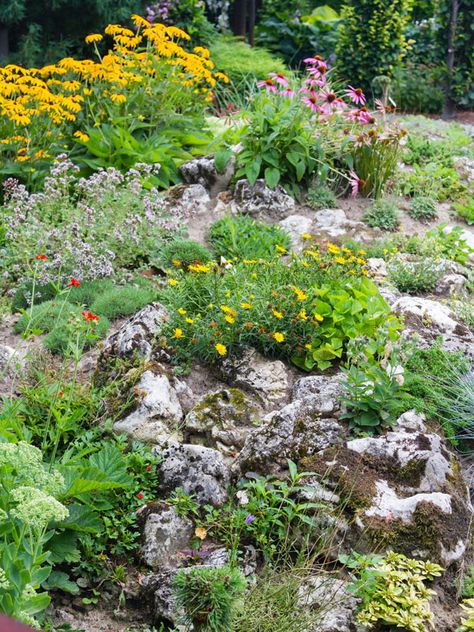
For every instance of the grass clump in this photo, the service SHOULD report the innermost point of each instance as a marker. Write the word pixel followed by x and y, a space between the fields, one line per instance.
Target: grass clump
pixel 209 596
pixel 423 208
pixel 245 238
pixel 184 252
pixel 382 214
pixel 122 301
pixel 415 277
pixel 320 197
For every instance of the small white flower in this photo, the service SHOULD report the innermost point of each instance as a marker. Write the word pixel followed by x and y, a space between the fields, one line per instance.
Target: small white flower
pixel 242 497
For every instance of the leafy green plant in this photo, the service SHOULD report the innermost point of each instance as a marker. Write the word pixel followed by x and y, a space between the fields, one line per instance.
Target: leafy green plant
pixel 371 398
pixel 431 179
pixel 465 209
pixel 241 237
pixel 306 310
pixel 416 87
pixel 209 596
pixel 421 150
pixel 467 622
pixel 184 252
pixel 392 590
pixel 450 242
pixel 122 301
pixel 415 276
pixel 423 208
pixel 382 214
pixel 468 584
pixel 319 197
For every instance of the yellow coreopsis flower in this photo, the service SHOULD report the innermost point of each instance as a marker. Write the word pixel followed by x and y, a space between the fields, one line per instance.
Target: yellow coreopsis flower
pixel 181 311
pixel 279 337
pixel 246 305
pixel 178 333
pixel 81 136
pixel 172 282
pixel 229 319
pixel 221 349
pixel 277 314
pixel 94 37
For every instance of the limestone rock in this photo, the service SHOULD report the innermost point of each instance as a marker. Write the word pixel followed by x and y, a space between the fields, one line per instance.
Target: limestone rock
pixel 159 413
pixel 202 171
pixel 136 334
pixel 299 429
pixel 450 284
pixel 165 535
pixel 266 379
pixel 428 319
pixel 334 607
pixel 404 489
pixel 334 222
pixel 295 226
pixel 261 200
pixel 221 420
pixel 377 267
pixel 196 470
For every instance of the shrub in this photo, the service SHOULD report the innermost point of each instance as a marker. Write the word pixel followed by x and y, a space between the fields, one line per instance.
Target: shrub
pixel 371 41
pixel 423 209
pixel 184 251
pixel 393 592
pixel 301 311
pixel 415 276
pixel 319 197
pixel 433 180
pixel 421 150
pixel 243 64
pixel 382 214
pixel 122 301
pixel 245 238
pixel 417 88
pixel 88 291
pixel 209 596
pixel 450 243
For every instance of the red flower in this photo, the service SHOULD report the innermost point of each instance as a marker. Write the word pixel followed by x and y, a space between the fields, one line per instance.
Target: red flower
pixel 139 496
pixel 41 257
pixel 148 468
pixel 74 283
pixel 89 316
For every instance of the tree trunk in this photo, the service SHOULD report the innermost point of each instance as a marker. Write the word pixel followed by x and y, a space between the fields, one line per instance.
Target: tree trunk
pixel 239 18
pixel 449 104
pixel 251 10
pixel 4 50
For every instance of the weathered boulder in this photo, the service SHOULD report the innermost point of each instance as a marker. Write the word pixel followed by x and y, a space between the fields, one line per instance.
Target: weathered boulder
pixel 295 226
pixel 333 222
pixel 304 427
pixel 404 491
pixel 334 607
pixel 221 420
pixel 203 171
pixel 428 319
pixel 136 334
pixel 450 284
pixel 377 268
pixel 261 200
pixel 159 414
pixel 267 379
pixel 165 536
pixel 196 470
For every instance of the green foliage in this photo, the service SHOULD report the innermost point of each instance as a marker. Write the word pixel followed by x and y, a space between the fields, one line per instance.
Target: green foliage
pixel 278 144
pixel 209 596
pixel 450 242
pixel 319 197
pixel 269 513
pixel 438 384
pixel 184 251
pixel 417 87
pixel 243 63
pixel 423 209
pixel 244 238
pixel 468 584
pixel 392 590
pixel 305 311
pixel 382 214
pixel 465 209
pixel 415 276
pixel 432 179
pixel 122 301
pixel 371 40
pixel 467 622
pixel 296 30
pixel 421 150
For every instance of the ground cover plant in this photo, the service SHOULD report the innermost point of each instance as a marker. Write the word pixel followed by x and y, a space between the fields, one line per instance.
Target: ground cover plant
pixel 305 310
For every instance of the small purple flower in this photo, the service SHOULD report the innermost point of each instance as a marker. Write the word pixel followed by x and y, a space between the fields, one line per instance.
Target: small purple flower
pixel 249 519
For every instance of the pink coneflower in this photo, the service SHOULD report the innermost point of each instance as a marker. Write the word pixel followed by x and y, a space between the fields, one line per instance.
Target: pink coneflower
pixel 288 92
pixel 268 84
pixel 279 78
pixel 361 116
pixel 356 95
pixel 313 60
pixel 354 182
pixel 315 84
pixel 312 102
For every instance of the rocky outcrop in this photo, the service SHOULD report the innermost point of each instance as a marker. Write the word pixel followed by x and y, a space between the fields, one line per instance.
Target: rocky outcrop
pixel 259 200
pixel 196 470
pixel 404 490
pixel 203 171
pixel 165 536
pixel 296 226
pixel 333 606
pixel 221 420
pixel 303 427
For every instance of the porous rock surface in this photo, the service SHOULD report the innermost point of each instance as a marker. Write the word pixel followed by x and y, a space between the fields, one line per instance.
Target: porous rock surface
pixel 259 200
